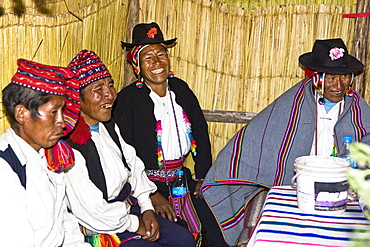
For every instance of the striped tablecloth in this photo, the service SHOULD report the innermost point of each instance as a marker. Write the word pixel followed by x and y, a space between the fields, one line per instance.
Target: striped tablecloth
pixel 283 224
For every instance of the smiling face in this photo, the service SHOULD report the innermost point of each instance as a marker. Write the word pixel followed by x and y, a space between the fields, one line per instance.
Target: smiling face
pixel 154 64
pixel 97 101
pixel 336 86
pixel 46 129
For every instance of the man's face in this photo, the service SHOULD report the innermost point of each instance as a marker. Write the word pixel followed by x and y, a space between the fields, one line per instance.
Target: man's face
pixel 154 64
pixel 47 129
pixel 336 86
pixel 98 101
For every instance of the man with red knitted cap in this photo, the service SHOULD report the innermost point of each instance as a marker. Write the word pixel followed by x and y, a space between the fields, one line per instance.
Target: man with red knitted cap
pixel 42 105
pixel 107 189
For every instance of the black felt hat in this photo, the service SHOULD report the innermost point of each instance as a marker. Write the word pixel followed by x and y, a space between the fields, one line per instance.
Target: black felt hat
pixel 331 56
pixel 147 33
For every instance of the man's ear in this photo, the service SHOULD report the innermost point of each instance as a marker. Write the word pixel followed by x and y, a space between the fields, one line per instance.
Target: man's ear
pixel 20 113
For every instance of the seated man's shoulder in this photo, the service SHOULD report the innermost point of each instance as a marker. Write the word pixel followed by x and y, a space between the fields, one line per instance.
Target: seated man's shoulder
pixel 5 140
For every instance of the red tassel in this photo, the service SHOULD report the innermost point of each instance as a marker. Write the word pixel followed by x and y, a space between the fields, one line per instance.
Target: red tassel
pixel 309 72
pixel 81 133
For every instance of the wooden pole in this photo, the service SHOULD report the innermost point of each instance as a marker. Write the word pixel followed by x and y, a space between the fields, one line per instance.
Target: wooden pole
pixel 360 44
pixel 228 116
pixel 133 19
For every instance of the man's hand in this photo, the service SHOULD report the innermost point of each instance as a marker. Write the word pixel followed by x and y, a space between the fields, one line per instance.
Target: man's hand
pixel 163 207
pixel 198 185
pixel 148 226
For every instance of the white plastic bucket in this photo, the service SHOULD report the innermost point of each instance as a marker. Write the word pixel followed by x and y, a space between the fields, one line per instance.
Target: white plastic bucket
pixel 321 184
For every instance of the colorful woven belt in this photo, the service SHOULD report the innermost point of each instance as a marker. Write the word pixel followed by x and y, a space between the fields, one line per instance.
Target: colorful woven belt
pixel 168 171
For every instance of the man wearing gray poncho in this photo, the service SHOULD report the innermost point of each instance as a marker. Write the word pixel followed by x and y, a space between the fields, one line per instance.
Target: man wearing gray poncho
pixel 310 118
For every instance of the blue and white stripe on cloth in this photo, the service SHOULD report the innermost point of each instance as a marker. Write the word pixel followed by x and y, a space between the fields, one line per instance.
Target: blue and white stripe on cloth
pixel 282 223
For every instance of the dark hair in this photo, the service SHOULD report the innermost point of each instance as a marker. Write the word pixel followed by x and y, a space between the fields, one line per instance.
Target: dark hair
pixel 82 94
pixel 14 95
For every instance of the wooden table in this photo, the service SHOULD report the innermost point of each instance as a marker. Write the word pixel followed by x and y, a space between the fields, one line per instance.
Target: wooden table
pixel 282 223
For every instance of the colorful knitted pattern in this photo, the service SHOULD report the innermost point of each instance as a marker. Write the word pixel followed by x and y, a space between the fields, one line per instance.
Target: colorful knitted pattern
pixel 184 209
pixel 43 78
pixel 318 82
pixel 89 68
pixel 71 111
pixel 133 57
pixel 55 81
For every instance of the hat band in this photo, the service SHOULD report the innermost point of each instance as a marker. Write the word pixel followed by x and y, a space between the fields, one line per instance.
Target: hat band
pixel 135 53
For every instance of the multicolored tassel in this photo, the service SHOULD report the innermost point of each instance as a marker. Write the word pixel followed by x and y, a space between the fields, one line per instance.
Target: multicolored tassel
pixel 159 131
pixel 103 240
pixel 188 132
pixel 60 157
pixel 171 74
pixel 139 84
pixel 350 93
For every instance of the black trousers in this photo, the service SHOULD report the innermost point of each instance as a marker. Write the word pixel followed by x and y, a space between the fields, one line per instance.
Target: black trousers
pixel 210 228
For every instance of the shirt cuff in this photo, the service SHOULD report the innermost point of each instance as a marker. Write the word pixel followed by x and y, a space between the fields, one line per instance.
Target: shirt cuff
pixel 134 226
pixel 146 206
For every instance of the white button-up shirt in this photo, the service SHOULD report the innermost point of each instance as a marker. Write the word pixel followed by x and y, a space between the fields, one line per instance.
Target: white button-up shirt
pixel 325 129
pixel 36 216
pixel 86 200
pixel 164 110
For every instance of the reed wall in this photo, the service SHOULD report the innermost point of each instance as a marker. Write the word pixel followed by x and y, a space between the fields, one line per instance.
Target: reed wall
pixel 235 55
pixel 241 59
pixel 54 31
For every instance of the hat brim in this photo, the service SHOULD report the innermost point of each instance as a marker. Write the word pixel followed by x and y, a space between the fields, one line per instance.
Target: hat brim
pixel 166 42
pixel 353 65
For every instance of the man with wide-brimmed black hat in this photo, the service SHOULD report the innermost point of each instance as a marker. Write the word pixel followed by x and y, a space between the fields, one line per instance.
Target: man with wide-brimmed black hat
pixel 311 118
pixel 161 117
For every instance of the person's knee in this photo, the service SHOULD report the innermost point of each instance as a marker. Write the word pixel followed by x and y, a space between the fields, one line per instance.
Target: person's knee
pixel 175 235
pixel 186 239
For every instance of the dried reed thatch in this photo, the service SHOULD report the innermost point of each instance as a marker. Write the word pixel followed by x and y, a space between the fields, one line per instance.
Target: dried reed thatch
pixel 235 55
pixel 241 59
pixel 53 32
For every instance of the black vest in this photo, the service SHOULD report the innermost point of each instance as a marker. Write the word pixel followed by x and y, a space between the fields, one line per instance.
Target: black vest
pixel 93 164
pixel 9 156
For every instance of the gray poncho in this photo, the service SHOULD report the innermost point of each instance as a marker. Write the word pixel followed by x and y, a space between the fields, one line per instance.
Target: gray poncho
pixel 262 153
